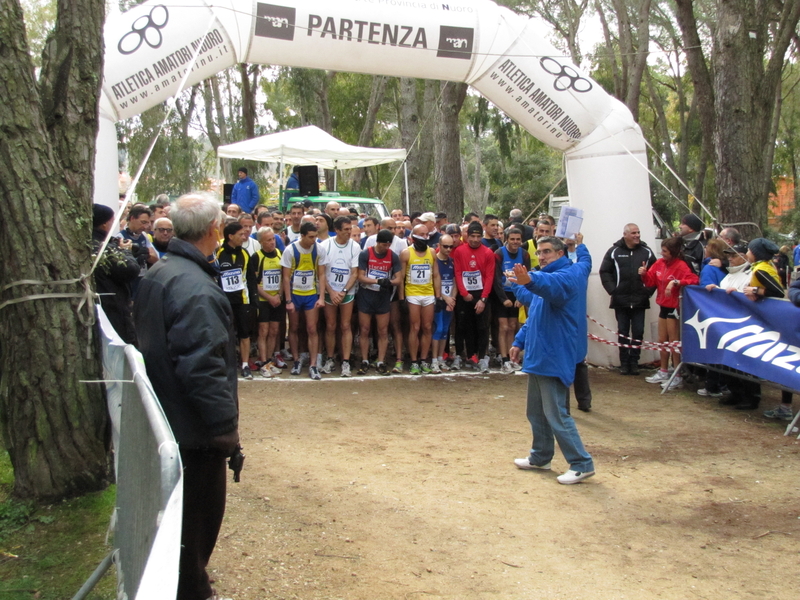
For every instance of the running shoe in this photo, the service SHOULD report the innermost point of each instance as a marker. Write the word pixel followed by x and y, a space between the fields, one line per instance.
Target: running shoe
pixel 456 366
pixel 246 373
pixel 329 366
pixel 705 392
pixel 435 368
pixel 414 370
pixel 507 368
pixel 571 477
pixel 525 465
pixel 296 368
pixel 264 371
pixel 364 368
pixel 278 361
pixel 345 368
pixel 287 354
pixel 425 368
pixel 273 369
pixel 483 365
pixel 659 377
pixel 382 369
pixel 305 359
pixel 313 372
pixel 398 367
pixel 675 384
pixel 444 366
pixel 782 413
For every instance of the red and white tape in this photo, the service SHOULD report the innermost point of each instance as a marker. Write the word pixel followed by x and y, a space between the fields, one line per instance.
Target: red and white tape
pixel 641 344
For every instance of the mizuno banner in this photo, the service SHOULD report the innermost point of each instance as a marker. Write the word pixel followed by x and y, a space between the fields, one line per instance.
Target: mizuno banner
pixel 760 338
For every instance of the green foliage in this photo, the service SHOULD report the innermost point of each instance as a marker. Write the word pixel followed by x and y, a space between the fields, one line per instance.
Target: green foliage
pixel 179 162
pixel 40 18
pixel 47 552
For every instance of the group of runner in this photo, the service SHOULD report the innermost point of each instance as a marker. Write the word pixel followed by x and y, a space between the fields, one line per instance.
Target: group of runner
pixel 319 283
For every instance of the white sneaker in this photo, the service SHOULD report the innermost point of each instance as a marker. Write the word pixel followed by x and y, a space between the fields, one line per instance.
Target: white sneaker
pixel 525 465
pixel 329 366
pixel 278 361
pixel 435 368
pixel 444 366
pixel 507 368
pixel 265 372
pixel 676 384
pixel 304 359
pixel 516 366
pixel 313 373
pixel 272 368
pixel 571 477
pixel 659 377
pixel 345 368
pixel 456 366
pixel 287 354
pixel 483 365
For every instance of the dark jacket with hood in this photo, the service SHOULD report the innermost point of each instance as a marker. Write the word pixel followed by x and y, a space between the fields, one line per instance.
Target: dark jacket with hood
pixel 619 274
pixel 185 328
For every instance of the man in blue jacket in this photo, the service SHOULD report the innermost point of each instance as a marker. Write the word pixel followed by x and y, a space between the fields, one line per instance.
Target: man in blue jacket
pixel 554 341
pixel 245 192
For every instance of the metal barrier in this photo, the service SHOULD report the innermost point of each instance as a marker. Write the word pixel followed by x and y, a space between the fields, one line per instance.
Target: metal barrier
pixel 147 517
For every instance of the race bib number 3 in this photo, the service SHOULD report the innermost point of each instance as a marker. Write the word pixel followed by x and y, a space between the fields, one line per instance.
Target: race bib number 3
pixel 303 281
pixel 447 287
pixel 232 281
pixel 473 280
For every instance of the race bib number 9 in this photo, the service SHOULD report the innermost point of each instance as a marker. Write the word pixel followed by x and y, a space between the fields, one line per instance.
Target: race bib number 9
pixel 232 281
pixel 473 280
pixel 303 281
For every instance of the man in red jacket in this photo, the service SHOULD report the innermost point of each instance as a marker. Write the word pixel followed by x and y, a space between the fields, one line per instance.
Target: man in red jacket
pixel 474 272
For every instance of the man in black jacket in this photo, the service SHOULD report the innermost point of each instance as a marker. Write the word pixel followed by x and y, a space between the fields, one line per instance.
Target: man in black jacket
pixel 115 273
pixel 185 328
pixel 629 297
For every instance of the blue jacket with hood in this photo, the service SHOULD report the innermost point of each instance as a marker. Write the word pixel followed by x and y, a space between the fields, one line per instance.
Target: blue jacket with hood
pixel 554 335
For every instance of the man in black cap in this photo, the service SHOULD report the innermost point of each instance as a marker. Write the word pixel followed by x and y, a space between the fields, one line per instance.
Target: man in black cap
pixel 691 230
pixel 115 272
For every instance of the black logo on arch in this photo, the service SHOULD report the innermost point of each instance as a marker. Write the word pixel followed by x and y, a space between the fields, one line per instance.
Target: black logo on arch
pixel 273 21
pixel 455 42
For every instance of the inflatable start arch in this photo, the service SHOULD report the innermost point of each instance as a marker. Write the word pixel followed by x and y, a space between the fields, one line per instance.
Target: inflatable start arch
pixel 150 48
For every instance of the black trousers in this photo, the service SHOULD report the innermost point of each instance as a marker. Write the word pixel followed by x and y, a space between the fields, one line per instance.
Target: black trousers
pixel 204 479
pixel 583 393
pixel 474 327
pixel 630 322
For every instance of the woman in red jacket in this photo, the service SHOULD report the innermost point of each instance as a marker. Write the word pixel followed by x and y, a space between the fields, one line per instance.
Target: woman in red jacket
pixel 668 274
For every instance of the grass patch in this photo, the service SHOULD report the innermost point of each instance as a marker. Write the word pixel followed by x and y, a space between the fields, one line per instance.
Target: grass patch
pixel 47 552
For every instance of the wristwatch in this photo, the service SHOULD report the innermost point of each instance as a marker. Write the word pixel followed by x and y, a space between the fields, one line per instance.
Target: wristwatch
pixel 345 291
pixel 482 300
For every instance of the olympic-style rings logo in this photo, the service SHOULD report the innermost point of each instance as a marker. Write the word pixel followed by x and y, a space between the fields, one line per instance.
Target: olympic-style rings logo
pixel 566 77
pixel 147 29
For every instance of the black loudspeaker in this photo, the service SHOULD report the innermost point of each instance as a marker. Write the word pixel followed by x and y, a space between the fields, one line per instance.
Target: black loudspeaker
pixel 227 190
pixel 309 180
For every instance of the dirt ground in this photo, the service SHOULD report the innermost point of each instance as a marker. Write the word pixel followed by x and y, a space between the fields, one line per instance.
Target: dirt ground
pixel 404 487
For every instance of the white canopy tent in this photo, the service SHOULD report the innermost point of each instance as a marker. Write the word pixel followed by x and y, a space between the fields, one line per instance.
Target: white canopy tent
pixel 310 145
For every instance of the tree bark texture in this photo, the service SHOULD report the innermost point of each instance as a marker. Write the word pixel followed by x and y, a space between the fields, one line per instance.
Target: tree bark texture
pixel 448 181
pixel 377 93
pixel 416 133
pixel 745 92
pixel 54 427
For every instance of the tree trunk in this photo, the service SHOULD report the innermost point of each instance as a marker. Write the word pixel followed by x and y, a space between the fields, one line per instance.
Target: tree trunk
pixel 745 93
pixel 368 130
pixel 412 117
pixel 54 426
pixel 448 182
